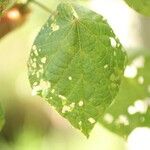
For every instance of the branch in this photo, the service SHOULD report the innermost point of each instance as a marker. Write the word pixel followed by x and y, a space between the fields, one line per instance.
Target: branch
pixel 40 5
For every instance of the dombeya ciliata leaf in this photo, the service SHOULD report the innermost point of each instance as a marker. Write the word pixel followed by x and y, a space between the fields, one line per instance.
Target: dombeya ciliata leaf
pixel 76 64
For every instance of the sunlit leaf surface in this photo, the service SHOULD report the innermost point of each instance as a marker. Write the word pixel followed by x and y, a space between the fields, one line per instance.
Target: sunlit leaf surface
pixel 76 64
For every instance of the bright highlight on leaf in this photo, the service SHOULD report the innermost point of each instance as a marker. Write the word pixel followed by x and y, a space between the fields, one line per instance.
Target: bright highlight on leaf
pixel 76 64
pixel 141 6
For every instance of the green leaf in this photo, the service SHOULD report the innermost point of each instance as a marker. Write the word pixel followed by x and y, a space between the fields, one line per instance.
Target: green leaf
pixel 76 64
pixel 131 108
pixel 5 4
pixel 2 120
pixel 141 6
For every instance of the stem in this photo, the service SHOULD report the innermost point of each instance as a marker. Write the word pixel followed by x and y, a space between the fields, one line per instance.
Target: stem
pixel 40 5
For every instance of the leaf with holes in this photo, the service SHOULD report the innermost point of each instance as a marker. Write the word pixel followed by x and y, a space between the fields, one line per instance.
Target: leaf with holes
pixel 141 6
pixel 131 108
pixel 76 64
pixel 5 4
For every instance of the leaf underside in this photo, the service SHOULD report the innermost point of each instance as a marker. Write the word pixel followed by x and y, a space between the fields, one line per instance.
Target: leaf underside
pixel 141 6
pixel 76 64
pixel 131 108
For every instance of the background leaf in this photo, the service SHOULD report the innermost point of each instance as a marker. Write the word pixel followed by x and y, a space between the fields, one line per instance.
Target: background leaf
pixel 141 6
pixel 131 108
pixel 76 63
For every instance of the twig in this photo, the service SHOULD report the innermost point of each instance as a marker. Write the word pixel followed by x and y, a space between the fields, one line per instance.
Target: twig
pixel 40 5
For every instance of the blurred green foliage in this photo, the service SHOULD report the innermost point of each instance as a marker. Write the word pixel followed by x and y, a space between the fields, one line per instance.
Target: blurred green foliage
pixel 142 7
